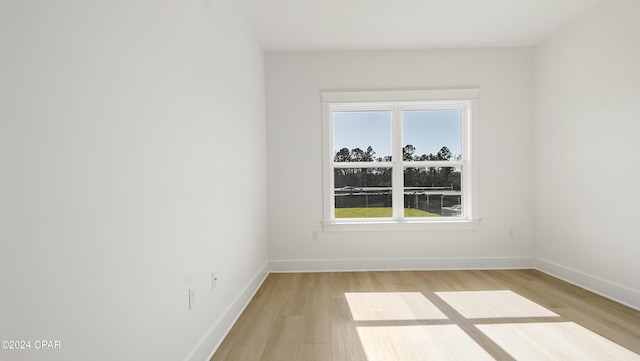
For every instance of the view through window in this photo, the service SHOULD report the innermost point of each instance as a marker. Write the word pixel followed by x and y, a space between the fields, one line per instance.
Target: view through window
pixel 399 161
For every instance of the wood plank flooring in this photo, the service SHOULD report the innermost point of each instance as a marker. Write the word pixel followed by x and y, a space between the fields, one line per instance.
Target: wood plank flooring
pixel 429 315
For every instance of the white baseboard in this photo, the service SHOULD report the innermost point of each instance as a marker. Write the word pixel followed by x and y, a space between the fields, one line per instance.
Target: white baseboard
pixel 610 290
pixel 216 334
pixel 345 265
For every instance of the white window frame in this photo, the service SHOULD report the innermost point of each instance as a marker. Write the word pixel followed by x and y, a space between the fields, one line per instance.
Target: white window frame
pixel 465 100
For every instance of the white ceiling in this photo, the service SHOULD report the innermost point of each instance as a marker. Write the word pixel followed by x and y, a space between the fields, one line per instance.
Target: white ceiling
pixel 310 25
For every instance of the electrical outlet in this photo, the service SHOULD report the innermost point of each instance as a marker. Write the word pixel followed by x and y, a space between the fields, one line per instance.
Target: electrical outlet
pixel 192 297
pixel 315 235
pixel 511 233
pixel 214 280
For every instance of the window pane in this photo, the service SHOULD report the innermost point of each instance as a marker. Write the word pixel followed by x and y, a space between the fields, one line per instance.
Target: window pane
pixel 362 192
pixel 360 136
pixel 431 135
pixel 432 192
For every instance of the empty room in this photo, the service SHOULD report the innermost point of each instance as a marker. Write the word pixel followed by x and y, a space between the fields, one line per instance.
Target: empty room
pixel 305 180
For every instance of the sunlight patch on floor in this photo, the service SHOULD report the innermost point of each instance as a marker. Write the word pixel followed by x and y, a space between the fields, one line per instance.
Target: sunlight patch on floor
pixel 517 325
pixel 555 341
pixel 420 343
pixel 392 306
pixel 493 304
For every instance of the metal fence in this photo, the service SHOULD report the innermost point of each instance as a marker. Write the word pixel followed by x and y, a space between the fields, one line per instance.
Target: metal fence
pixel 433 202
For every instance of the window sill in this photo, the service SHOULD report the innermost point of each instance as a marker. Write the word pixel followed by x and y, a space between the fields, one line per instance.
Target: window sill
pixel 395 226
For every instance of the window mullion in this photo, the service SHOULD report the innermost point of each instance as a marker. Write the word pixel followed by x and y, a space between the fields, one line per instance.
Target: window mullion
pixel 362 164
pixel 398 174
pixel 434 163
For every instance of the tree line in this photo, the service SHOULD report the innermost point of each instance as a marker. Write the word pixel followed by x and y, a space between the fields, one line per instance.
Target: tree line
pixel 408 154
pixel 381 176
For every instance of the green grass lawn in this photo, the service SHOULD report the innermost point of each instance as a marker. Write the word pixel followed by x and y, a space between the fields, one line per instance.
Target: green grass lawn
pixel 379 212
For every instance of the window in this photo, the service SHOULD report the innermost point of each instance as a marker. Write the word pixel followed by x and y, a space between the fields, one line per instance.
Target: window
pixel 399 160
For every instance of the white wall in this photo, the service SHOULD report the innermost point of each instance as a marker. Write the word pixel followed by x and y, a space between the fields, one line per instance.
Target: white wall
pixel 121 126
pixel 294 82
pixel 587 170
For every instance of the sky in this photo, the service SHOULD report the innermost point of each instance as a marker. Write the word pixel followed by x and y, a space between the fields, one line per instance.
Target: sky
pixel 426 130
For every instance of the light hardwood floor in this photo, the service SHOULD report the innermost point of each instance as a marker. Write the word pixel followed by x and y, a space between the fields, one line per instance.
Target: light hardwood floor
pixel 429 315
